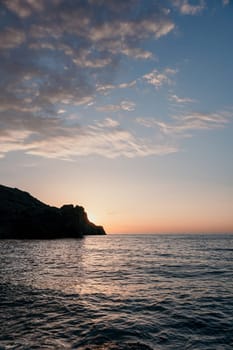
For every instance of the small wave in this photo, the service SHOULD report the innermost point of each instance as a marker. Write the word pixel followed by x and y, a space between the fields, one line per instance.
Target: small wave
pixel 115 346
pixel 222 249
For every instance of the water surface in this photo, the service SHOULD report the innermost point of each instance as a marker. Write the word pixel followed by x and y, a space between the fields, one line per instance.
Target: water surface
pixel 117 292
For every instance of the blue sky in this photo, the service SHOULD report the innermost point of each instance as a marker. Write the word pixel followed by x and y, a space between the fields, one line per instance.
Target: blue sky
pixel 123 107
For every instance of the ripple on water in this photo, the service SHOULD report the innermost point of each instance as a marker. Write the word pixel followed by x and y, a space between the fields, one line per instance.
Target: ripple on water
pixel 160 293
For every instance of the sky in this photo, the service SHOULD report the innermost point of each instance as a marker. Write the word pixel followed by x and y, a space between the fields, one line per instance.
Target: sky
pixel 123 107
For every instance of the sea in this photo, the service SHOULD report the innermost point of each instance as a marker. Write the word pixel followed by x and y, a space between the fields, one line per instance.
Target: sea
pixel 117 292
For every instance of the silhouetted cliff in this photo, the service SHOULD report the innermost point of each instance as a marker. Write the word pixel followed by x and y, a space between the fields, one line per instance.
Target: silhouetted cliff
pixel 25 217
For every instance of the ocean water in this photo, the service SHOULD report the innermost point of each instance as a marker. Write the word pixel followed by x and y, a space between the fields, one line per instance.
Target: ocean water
pixel 117 292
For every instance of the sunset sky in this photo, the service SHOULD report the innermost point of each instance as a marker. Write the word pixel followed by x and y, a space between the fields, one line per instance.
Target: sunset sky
pixel 124 107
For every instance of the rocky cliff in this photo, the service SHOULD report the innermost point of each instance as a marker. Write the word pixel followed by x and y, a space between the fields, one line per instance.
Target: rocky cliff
pixel 25 217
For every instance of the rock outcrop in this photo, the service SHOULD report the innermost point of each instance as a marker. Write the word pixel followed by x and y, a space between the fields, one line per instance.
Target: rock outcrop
pixel 25 217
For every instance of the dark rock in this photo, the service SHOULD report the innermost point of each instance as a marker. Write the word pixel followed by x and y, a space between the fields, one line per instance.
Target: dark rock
pixel 25 217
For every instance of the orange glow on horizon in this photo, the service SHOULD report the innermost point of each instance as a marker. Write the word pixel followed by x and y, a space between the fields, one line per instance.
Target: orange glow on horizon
pixel 173 229
pixel 126 214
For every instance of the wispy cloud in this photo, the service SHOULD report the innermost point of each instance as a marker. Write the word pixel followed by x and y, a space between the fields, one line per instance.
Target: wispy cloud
pixel 64 139
pixel 185 124
pixel 11 38
pixel 106 88
pixel 54 139
pixel 157 79
pixel 187 8
pixel 128 106
pixel 25 8
pixel 13 140
pixel 181 100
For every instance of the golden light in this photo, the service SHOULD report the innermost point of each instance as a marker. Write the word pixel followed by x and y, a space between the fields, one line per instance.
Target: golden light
pixel 92 217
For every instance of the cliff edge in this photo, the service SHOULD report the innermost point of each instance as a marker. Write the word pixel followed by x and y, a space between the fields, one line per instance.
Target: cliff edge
pixel 25 217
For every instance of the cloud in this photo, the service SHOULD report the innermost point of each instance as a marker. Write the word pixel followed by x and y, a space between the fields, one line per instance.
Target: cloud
pixel 184 124
pixel 101 42
pixel 186 8
pixel 87 62
pixel 55 137
pixel 181 100
pixel 106 88
pixel 12 140
pixel 157 79
pixel 128 106
pixel 137 53
pixel 24 8
pixel 61 53
pixel 108 122
pixel 52 138
pixel 59 56
pixel 11 38
pixel 200 121
pixel 142 28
